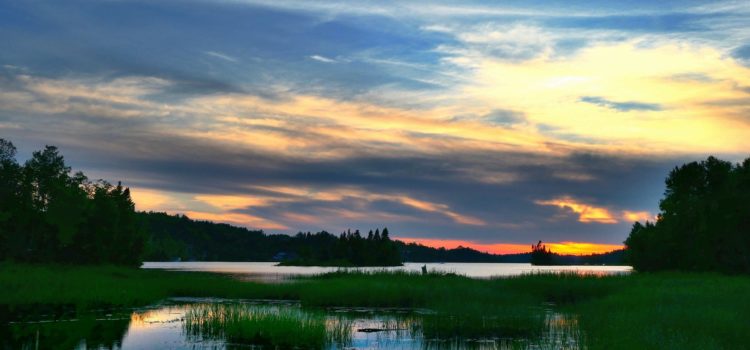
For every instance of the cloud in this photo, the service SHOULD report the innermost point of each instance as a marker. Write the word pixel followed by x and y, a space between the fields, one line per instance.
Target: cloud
pixel 586 213
pixel 221 56
pixel 504 117
pixel 742 53
pixel 640 216
pixel 620 106
pixel 323 59
pixel 238 219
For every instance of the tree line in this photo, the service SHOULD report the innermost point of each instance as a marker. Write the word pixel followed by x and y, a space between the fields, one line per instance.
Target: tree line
pixel 349 248
pixel 703 223
pixel 48 213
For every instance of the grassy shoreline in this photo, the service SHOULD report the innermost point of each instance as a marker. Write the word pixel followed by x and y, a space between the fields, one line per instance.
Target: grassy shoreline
pixel 664 310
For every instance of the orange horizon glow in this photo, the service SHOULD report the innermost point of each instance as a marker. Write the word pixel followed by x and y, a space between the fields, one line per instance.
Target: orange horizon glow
pixel 564 247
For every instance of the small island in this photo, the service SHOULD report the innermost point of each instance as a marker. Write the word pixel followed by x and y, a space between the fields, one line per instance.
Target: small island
pixel 349 249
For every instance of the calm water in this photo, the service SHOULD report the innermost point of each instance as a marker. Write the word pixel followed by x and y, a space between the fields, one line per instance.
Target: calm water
pixel 171 325
pixel 269 270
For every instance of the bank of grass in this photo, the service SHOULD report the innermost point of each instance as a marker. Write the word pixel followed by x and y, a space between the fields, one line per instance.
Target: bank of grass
pixel 670 311
pixel 260 326
pixel 86 287
pixel 645 311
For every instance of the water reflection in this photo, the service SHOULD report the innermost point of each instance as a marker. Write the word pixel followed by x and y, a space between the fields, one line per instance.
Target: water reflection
pixel 229 324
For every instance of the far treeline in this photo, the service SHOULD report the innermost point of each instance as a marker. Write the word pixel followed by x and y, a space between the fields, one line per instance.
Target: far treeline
pixel 703 223
pixel 177 237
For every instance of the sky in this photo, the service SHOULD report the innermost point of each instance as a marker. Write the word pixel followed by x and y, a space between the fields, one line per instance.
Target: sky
pixel 490 125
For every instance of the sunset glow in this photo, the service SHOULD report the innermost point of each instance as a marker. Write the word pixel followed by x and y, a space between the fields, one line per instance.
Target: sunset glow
pixel 567 248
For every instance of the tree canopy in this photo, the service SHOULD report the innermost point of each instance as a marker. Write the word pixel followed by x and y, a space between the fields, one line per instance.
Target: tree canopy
pixel 48 213
pixel 703 223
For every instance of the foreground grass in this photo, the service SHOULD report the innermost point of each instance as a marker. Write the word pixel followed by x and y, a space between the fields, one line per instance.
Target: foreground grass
pixel 670 311
pixel 644 311
pixel 268 326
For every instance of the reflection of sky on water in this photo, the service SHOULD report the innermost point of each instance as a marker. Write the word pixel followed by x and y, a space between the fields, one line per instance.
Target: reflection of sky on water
pixel 157 328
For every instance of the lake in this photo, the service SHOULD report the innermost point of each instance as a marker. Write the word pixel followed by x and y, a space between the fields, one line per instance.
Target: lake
pixel 251 324
pixel 262 271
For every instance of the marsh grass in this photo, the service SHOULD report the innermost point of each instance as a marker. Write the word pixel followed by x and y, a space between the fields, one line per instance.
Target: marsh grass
pixel 670 311
pixel 52 288
pixel 277 327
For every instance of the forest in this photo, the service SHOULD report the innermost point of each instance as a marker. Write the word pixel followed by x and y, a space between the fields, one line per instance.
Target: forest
pixel 177 237
pixel 48 213
pixel 703 223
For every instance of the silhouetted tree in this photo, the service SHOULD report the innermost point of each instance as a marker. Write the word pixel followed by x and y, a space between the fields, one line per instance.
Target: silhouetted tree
pixel 541 255
pixel 703 224
pixel 49 214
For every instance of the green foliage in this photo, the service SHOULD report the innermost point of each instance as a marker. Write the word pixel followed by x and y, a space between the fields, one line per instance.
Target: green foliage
pixel 704 223
pixel 48 214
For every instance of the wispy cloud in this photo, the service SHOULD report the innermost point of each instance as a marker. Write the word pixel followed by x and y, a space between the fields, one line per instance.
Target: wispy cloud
pixel 625 106
pixel 222 56
pixel 323 59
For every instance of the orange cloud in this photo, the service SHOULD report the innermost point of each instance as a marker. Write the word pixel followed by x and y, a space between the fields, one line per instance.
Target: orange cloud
pixel 586 213
pixel 155 200
pixel 338 194
pixel 441 208
pixel 245 220
pixel 634 216
pixel 147 200
pixel 230 202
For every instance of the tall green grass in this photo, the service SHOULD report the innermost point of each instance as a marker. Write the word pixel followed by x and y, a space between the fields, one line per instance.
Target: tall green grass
pixel 252 324
pixel 670 311
pixel 87 287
